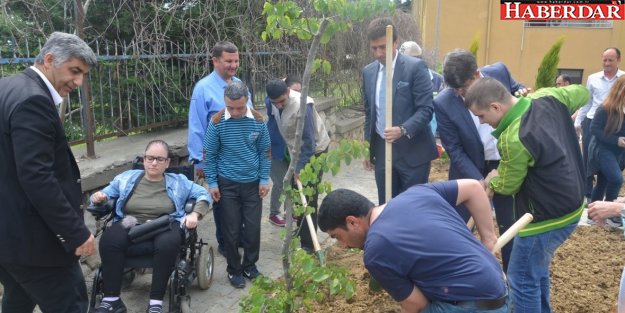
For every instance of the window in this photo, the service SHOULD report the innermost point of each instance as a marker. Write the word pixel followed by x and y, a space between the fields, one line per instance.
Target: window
pixel 575 74
pixel 568 23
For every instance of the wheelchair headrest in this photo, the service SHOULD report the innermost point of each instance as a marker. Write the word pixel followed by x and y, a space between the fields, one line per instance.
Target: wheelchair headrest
pixel 102 209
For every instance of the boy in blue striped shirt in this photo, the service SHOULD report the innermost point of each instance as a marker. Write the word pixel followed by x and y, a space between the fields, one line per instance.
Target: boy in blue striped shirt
pixel 237 154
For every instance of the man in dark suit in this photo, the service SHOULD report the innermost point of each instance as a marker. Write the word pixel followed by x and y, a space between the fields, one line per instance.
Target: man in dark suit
pixel 471 148
pixel 42 231
pixel 413 142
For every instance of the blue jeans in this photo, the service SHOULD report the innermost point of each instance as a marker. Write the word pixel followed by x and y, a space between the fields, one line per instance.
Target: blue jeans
pixel 609 177
pixel 444 307
pixel 528 271
pixel 585 142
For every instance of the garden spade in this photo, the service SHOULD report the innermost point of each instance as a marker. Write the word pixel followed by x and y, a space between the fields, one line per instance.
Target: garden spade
pixel 311 225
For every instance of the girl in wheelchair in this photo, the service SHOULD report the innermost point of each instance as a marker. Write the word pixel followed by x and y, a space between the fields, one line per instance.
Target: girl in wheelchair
pixel 144 195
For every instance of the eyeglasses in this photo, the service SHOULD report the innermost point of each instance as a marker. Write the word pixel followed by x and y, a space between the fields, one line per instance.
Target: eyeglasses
pixel 151 158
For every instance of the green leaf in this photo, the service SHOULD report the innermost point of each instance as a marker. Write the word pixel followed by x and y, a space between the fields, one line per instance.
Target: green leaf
pixel 349 290
pixel 319 277
pixel 327 67
pixel 335 286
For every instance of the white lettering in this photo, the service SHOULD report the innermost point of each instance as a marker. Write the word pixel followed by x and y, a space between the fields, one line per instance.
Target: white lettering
pixel 569 12
pixel 555 11
pixel 599 12
pixel 614 12
pixel 528 11
pixel 515 10
pixel 585 12
pixel 543 11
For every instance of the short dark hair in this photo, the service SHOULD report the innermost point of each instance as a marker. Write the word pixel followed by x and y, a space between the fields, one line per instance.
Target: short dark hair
pixel 618 52
pixel 485 91
pixel 458 68
pixel 338 205
pixel 292 79
pixel 276 88
pixel 565 78
pixel 220 47
pixel 377 28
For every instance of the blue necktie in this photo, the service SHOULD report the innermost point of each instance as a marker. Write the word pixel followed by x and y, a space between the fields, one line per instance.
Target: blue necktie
pixel 381 111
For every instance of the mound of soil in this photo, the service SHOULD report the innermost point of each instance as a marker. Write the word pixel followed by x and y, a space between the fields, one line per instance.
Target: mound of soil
pixel 585 276
pixel 585 272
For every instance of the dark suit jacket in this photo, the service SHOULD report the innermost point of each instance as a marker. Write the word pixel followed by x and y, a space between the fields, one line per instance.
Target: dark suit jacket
pixel 457 130
pixel 412 108
pixel 41 221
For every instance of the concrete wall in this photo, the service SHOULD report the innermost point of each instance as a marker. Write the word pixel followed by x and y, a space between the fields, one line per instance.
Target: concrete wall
pixel 116 156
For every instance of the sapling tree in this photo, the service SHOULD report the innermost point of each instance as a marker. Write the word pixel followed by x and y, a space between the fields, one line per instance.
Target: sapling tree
pixel 318 24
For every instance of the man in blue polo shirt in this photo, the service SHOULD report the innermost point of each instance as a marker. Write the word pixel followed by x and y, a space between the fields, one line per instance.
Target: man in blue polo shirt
pixel 419 249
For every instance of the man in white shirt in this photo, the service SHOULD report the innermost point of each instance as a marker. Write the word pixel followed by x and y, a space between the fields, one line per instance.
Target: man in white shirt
pixel 599 85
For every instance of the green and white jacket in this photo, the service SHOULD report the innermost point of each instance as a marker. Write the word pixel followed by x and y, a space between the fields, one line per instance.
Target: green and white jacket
pixel 541 164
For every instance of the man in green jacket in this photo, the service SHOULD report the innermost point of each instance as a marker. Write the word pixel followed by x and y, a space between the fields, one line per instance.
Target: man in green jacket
pixel 541 166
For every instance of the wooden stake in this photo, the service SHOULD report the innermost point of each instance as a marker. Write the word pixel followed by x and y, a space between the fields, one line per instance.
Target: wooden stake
pixel 389 112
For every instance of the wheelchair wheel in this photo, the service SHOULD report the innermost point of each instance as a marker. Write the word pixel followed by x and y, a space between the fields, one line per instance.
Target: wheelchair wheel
pixel 204 267
pixel 96 289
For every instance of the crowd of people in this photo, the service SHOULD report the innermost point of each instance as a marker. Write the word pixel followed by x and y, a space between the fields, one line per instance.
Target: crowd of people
pixel 512 151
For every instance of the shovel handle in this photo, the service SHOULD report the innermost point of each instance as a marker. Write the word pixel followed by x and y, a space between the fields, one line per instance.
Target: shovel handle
pixel 512 231
pixel 311 225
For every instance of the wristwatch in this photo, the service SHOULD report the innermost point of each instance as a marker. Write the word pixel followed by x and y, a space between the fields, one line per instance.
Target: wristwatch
pixel 404 132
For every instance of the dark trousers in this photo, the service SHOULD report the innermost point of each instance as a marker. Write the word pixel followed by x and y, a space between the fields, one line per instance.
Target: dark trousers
pixel 504 214
pixel 402 178
pixel 240 204
pixel 217 217
pixel 113 252
pixel 53 289
pixel 586 136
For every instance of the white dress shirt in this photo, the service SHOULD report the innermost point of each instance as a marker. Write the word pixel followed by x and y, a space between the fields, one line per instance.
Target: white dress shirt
pixel 599 87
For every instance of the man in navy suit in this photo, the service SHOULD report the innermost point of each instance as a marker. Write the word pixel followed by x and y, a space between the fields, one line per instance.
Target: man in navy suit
pixel 413 142
pixel 42 231
pixel 471 148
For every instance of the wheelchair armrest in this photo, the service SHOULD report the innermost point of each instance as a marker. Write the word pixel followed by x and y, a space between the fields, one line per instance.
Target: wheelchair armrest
pixel 103 209
pixel 188 207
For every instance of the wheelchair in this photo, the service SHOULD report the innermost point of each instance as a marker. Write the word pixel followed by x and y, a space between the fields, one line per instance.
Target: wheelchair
pixel 195 261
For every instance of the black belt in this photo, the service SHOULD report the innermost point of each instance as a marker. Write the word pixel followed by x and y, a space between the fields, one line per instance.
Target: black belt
pixel 491 162
pixel 482 304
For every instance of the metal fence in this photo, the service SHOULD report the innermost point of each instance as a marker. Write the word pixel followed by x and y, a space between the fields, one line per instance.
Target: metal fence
pixel 134 92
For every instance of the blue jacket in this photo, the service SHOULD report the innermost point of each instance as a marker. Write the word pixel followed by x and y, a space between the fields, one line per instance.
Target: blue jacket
pixel 278 146
pixel 457 130
pixel 179 189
